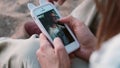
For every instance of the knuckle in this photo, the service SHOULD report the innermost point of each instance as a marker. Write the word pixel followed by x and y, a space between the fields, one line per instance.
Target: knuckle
pixel 59 48
pixel 41 51
pixel 78 23
pixel 43 45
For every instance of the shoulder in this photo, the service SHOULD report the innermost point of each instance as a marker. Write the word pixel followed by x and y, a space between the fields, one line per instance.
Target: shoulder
pixel 108 55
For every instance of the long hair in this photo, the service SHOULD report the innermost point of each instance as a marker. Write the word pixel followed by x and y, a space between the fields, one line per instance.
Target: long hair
pixel 110 24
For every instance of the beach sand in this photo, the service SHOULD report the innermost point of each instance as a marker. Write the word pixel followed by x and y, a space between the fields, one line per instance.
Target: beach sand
pixel 14 13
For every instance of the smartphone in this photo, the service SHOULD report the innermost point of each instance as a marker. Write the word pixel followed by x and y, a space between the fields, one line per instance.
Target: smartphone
pixel 46 16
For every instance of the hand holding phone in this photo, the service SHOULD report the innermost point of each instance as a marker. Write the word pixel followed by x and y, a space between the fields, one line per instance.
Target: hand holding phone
pixel 46 16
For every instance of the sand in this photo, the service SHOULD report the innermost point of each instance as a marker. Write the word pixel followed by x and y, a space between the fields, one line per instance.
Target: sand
pixel 14 13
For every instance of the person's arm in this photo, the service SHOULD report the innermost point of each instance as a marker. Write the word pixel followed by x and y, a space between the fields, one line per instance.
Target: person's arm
pixel 85 37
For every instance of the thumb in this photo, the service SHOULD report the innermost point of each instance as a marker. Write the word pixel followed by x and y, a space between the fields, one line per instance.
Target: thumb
pixel 58 45
pixel 66 20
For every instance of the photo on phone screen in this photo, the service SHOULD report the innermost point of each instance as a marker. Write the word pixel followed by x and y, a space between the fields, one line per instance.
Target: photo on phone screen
pixel 55 28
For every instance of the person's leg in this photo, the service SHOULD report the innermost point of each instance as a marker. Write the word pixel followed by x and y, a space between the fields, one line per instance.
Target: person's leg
pixel 26 30
pixel 19 53
pixel 31 28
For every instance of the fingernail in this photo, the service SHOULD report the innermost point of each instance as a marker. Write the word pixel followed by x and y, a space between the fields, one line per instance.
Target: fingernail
pixel 42 35
pixel 57 38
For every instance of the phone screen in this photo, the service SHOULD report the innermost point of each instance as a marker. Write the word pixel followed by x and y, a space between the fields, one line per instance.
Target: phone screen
pixel 54 28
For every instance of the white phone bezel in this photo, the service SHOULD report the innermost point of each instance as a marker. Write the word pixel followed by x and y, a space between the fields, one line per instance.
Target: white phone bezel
pixel 69 48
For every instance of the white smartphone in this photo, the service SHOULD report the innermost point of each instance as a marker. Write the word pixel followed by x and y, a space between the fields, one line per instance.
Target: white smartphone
pixel 46 17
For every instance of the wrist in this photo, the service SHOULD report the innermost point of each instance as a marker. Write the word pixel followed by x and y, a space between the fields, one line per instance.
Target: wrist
pixel 85 51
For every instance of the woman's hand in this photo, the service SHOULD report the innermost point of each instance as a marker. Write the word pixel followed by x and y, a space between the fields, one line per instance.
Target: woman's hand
pixel 60 2
pixel 50 57
pixel 86 39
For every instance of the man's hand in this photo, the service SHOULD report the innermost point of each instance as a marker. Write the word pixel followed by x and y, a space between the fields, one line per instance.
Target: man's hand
pixel 86 39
